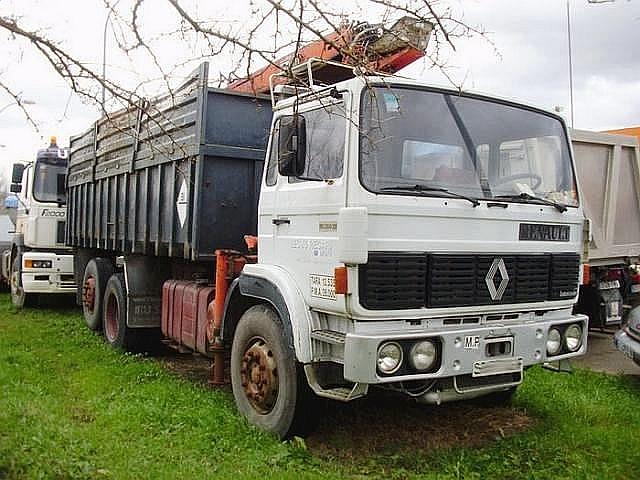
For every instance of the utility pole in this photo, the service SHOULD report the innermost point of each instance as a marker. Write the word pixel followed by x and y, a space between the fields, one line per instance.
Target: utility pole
pixel 570 64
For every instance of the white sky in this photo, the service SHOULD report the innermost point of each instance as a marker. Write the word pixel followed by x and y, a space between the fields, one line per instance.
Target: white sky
pixel 527 61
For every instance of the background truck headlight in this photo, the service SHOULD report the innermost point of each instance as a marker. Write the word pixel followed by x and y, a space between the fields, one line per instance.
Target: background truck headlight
pixel 38 263
pixel 422 355
pixel 389 357
pixel 573 337
pixel 554 341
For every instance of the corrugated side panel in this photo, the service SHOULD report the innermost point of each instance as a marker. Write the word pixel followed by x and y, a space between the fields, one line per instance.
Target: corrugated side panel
pixel 126 172
pixel 177 177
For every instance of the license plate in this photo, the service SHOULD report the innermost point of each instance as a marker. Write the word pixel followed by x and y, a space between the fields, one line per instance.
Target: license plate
pixel 626 350
pixel 635 288
pixel 609 285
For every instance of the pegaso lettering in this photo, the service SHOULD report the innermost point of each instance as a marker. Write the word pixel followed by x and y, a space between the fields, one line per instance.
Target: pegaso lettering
pixel 47 212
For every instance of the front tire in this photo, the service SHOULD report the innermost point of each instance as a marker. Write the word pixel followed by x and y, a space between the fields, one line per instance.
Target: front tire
pixel 96 275
pixel 268 388
pixel 19 298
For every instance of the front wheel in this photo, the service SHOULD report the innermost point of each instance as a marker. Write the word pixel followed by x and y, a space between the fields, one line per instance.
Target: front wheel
pixel 19 297
pixel 268 388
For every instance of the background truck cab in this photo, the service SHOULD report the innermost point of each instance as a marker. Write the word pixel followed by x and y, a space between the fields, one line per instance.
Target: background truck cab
pixel 38 261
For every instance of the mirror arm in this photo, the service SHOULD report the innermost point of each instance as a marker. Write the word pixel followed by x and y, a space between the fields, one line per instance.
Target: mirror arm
pixel 26 209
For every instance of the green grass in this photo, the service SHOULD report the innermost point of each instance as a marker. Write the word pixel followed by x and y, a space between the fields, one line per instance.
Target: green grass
pixel 71 407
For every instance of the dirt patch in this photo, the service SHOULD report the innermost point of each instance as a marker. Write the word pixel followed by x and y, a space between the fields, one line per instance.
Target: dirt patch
pixel 384 422
pixel 391 424
pixel 194 367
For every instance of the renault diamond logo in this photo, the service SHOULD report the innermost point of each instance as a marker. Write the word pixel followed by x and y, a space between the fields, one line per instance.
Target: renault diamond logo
pixel 497 266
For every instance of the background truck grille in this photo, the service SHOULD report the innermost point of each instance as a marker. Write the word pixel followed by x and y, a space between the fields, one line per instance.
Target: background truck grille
pixel 60 232
pixel 392 280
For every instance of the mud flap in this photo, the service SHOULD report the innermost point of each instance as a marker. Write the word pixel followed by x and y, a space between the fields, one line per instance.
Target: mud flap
pixel 144 276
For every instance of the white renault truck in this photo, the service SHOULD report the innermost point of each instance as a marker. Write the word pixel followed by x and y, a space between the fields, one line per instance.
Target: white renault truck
pixel 38 261
pixel 414 238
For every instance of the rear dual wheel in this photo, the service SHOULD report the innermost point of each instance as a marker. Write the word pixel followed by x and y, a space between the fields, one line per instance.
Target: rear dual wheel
pixel 96 275
pixel 114 320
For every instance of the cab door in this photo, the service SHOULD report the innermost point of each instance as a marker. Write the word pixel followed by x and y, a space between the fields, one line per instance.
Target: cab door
pixel 306 208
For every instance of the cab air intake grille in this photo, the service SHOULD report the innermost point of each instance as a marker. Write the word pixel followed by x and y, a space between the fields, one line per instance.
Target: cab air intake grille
pixel 412 280
pixel 393 281
pixel 60 232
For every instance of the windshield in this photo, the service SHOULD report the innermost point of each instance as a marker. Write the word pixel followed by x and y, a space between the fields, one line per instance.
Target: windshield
pixel 49 181
pixel 468 146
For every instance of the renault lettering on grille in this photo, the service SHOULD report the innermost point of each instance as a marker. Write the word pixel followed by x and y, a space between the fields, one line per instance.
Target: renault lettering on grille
pixel 496 292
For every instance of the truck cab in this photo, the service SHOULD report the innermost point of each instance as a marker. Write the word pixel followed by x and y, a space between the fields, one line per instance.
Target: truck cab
pixel 38 261
pixel 423 239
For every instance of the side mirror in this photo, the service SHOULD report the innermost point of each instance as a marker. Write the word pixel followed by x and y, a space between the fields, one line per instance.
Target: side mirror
pixel 292 146
pixel 15 188
pixel 16 173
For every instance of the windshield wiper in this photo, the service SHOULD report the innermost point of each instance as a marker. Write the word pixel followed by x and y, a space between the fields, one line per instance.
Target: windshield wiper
pixel 425 188
pixel 525 196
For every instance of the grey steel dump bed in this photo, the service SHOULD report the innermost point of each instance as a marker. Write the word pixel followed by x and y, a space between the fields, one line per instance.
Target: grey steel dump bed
pixel 608 168
pixel 178 176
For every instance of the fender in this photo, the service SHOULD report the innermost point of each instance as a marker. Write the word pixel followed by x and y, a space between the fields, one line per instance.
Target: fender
pixel 276 286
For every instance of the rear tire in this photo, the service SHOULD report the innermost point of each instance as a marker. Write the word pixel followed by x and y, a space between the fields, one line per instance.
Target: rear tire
pixel 114 315
pixel 269 388
pixel 96 275
pixel 19 298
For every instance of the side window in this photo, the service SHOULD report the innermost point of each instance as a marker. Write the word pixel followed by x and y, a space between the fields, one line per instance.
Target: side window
pixel 272 165
pixel 326 129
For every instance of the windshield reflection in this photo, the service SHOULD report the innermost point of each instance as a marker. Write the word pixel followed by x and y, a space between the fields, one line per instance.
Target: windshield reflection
pixel 469 146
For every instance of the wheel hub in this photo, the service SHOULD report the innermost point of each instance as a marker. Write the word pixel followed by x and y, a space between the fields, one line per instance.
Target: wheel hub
pixel 89 293
pixel 259 376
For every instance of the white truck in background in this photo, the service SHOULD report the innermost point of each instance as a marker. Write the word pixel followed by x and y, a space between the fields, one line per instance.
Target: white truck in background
pixel 608 169
pixel 37 261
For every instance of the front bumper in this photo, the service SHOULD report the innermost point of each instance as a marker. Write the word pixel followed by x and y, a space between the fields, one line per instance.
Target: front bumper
pixel 458 356
pixel 628 345
pixel 57 279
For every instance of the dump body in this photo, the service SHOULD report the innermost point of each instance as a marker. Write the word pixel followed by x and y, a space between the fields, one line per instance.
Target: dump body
pixel 176 177
pixel 608 170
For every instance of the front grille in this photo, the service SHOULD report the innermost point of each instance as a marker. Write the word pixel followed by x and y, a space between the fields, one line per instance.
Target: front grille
pixel 394 280
pixel 60 232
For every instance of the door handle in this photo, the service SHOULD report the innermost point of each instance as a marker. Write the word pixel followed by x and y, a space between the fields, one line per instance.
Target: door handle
pixel 280 221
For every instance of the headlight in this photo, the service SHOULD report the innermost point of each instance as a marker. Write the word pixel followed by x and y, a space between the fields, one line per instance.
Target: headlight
pixel 573 337
pixel 554 341
pixel 423 355
pixel 389 357
pixel 38 264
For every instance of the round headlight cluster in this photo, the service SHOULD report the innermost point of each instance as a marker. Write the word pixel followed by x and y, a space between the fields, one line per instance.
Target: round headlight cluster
pixel 571 339
pixel 423 355
pixel 389 357
pixel 554 341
